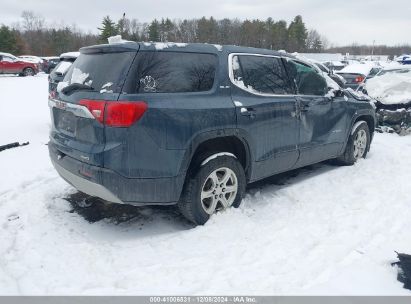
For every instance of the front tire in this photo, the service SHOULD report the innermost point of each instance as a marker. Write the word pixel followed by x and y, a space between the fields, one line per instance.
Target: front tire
pixel 28 72
pixel 358 144
pixel 217 185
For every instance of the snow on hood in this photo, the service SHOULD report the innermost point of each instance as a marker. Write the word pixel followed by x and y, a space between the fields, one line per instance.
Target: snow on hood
pixel 390 88
pixel 359 68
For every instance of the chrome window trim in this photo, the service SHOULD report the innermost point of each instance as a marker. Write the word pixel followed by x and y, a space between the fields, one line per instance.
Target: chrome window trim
pixel 77 110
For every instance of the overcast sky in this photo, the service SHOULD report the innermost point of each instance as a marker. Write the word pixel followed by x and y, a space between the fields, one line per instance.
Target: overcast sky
pixel 341 21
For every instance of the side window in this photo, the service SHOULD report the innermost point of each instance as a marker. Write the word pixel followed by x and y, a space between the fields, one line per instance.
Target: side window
pixel 7 59
pixel 306 78
pixel 172 72
pixel 261 74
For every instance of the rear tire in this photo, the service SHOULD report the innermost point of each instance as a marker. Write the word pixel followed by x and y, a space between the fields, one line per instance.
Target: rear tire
pixel 214 186
pixel 358 144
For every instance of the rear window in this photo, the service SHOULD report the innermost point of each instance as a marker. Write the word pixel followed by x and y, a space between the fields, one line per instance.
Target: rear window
pixel 171 72
pixel 104 72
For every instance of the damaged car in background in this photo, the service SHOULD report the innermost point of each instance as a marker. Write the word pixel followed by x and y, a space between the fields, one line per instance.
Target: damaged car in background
pixel 391 90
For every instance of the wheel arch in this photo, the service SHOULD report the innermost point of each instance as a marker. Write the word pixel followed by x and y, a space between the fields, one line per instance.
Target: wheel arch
pixel 369 119
pixel 210 143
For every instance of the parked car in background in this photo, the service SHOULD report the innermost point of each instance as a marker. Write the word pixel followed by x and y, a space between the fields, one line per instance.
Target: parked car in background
pixel 334 65
pixel 35 59
pixel 404 59
pixel 192 124
pixel 10 64
pixel 337 78
pixel 57 74
pixel 50 63
pixel 356 74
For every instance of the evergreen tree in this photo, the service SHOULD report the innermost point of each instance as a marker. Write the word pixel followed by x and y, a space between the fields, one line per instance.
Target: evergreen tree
pixel 154 31
pixel 108 29
pixel 297 35
pixel 8 40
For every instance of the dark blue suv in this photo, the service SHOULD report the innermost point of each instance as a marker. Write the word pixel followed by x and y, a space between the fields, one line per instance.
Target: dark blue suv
pixel 192 124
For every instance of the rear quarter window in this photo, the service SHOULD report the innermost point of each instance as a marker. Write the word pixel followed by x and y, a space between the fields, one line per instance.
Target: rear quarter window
pixel 171 72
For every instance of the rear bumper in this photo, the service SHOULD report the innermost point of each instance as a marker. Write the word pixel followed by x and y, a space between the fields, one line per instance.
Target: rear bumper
pixel 113 187
pixel 85 185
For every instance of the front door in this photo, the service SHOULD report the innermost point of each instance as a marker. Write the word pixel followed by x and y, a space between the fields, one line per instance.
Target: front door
pixel 323 118
pixel 266 111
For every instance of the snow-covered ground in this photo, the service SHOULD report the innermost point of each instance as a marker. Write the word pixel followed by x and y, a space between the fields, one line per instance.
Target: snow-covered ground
pixel 318 230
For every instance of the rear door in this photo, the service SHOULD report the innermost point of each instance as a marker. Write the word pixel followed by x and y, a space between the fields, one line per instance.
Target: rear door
pixel 97 76
pixel 266 111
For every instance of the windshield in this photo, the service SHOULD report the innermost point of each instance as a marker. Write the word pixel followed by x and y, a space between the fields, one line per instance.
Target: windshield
pixel 105 72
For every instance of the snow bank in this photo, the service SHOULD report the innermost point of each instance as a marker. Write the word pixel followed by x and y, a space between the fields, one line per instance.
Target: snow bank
pixel 390 88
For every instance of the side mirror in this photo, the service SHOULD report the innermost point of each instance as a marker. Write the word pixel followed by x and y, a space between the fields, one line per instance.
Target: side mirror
pixel 339 93
pixel 334 94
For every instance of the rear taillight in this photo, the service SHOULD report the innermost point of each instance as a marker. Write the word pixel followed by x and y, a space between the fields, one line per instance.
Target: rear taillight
pixel 96 108
pixel 124 114
pixel 359 79
pixel 115 113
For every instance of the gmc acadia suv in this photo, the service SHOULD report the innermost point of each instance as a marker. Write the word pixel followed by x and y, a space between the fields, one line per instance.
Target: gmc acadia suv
pixel 192 124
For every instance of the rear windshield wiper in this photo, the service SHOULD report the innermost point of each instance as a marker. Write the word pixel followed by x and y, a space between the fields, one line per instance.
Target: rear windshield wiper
pixel 76 87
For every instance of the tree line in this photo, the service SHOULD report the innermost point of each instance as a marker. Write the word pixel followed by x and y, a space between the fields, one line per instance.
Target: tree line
pixel 32 35
pixel 270 34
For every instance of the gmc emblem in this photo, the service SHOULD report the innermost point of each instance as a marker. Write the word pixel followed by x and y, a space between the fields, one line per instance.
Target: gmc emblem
pixel 60 104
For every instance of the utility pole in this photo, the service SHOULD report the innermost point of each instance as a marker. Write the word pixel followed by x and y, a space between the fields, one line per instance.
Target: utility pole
pixel 372 51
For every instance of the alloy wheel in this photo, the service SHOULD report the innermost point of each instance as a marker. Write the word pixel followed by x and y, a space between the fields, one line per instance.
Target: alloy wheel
pixel 360 144
pixel 219 190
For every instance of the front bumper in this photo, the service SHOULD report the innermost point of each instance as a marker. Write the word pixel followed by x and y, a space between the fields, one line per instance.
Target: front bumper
pixel 113 187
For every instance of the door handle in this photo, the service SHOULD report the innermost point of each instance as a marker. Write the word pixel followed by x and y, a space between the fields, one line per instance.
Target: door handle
pixel 250 112
pixel 304 107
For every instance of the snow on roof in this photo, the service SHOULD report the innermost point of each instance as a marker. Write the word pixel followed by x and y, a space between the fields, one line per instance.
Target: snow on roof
pixel 116 39
pixel 391 88
pixel 357 68
pixel 70 55
pixel 164 45
pixel 7 54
